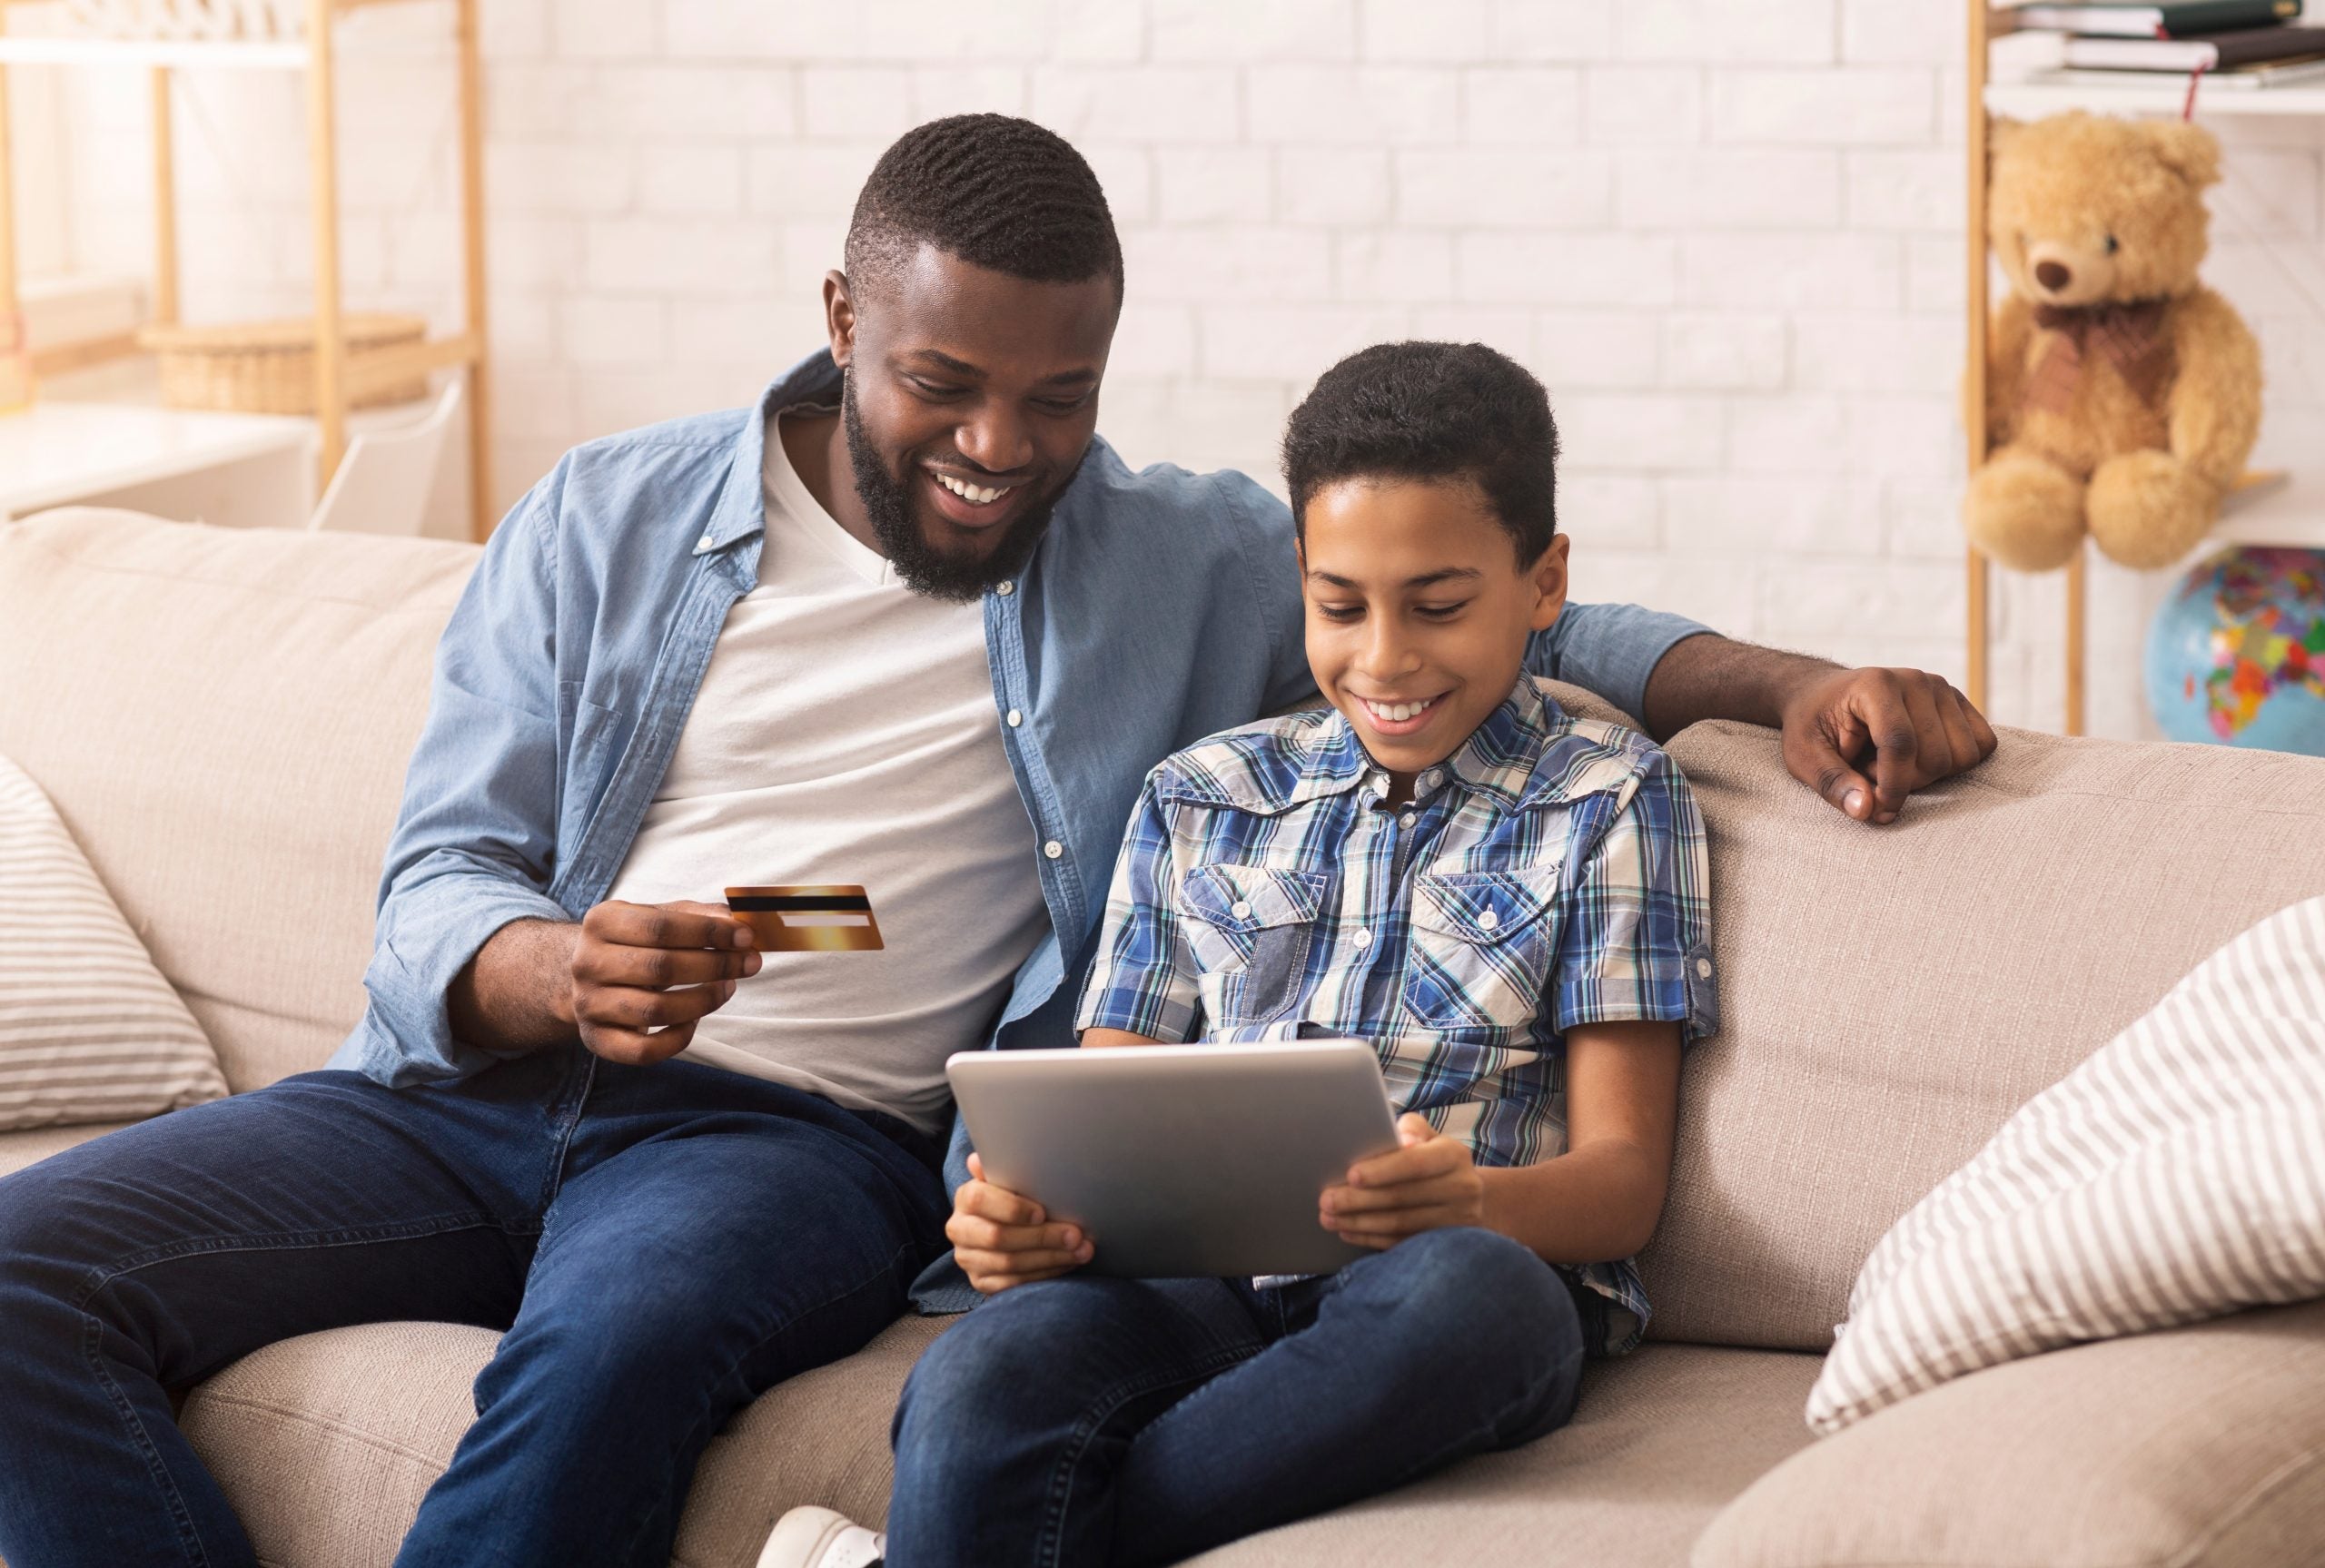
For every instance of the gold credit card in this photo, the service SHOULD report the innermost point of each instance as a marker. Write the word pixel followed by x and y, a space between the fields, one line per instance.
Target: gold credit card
pixel 823 918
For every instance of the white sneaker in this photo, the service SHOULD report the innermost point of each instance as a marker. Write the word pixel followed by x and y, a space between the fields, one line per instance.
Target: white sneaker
pixel 819 1538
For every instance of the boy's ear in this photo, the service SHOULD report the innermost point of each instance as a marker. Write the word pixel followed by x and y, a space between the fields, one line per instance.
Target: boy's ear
pixel 1548 575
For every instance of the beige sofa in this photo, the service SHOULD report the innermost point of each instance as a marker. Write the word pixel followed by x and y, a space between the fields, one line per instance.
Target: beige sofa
pixel 222 719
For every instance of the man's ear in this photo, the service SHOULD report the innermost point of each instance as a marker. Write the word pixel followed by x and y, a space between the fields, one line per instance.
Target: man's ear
pixel 839 317
pixel 1549 575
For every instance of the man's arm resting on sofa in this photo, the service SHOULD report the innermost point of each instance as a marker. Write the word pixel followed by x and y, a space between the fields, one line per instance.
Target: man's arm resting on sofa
pixel 630 980
pixel 1905 728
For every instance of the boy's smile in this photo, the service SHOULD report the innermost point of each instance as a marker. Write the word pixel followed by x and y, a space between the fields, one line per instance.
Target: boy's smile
pixel 1394 718
pixel 1418 612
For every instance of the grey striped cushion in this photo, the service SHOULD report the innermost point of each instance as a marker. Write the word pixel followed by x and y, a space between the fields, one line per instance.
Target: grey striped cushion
pixel 89 1029
pixel 2177 1174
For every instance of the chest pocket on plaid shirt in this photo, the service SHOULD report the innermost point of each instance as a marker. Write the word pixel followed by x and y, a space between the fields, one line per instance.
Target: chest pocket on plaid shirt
pixel 1481 947
pixel 1249 929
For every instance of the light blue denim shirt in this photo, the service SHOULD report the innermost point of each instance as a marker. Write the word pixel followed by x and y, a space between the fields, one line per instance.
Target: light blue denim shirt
pixel 1161 606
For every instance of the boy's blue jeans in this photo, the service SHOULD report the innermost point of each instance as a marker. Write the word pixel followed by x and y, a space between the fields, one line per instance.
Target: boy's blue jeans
pixel 660 1244
pixel 1089 1421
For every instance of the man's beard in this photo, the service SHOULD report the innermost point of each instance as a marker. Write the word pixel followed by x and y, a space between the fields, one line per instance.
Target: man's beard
pixel 920 566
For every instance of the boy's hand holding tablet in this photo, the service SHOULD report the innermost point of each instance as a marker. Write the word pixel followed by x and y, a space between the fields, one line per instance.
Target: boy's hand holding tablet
pixel 1002 1239
pixel 1428 1181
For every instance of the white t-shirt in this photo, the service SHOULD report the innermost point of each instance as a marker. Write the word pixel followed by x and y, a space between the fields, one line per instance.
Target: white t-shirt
pixel 845 733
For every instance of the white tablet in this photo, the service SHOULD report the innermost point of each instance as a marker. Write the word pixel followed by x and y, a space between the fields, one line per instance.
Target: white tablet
pixel 1182 1160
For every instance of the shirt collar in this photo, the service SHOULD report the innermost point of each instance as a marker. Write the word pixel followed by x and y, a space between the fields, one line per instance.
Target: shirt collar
pixel 1336 764
pixel 740 511
pixel 1499 756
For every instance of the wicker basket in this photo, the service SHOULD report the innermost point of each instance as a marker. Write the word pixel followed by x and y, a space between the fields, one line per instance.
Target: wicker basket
pixel 252 20
pixel 269 367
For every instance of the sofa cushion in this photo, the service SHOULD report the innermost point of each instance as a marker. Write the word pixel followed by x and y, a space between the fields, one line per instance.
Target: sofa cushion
pixel 325 1443
pixel 1662 1440
pixel 89 1029
pixel 2200 1447
pixel 1890 995
pixel 19 1149
pixel 2173 1176
pixel 223 717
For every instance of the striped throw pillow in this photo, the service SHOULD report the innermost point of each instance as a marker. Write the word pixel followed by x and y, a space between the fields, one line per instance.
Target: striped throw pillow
pixel 2179 1173
pixel 89 1029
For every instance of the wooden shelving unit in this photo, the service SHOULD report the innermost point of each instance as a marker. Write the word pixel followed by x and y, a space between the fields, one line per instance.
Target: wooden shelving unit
pixel 2264 508
pixel 2032 100
pixel 1973 379
pixel 336 383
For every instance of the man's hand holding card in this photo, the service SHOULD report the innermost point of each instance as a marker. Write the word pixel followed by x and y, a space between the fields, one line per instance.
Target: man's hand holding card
pixel 644 974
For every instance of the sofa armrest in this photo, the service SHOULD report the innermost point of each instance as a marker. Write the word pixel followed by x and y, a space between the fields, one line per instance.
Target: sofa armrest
pixel 2201 1447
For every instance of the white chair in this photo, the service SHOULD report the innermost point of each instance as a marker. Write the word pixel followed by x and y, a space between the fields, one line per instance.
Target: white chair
pixel 383 481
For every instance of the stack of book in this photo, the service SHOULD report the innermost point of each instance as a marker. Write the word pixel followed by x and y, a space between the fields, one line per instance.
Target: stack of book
pixel 2235 43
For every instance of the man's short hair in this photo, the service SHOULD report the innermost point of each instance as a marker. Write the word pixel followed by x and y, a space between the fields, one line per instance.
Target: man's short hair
pixel 997 191
pixel 1432 412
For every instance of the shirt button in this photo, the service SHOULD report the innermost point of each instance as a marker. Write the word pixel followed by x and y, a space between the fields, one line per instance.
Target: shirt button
pixel 1487 920
pixel 1380 784
pixel 1702 968
pixel 703 543
pixel 1430 779
pixel 1005 587
pixel 1363 938
pixel 1052 849
pixel 1239 909
pixel 1016 718
pixel 1406 820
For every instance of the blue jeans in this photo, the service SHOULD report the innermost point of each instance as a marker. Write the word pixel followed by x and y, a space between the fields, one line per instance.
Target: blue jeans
pixel 660 1245
pixel 1087 1420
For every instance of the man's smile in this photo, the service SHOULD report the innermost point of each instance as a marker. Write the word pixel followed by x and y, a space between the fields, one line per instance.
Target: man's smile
pixel 969 504
pixel 980 495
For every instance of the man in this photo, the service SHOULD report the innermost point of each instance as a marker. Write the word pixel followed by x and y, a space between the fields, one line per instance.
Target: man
pixel 906 624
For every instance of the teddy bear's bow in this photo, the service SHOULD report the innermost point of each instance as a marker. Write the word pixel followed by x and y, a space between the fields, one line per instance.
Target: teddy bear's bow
pixel 2128 335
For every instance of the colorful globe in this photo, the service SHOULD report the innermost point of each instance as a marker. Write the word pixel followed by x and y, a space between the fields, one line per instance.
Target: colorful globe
pixel 2237 654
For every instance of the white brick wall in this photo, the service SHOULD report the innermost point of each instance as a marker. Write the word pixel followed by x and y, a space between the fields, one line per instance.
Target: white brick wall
pixel 1726 235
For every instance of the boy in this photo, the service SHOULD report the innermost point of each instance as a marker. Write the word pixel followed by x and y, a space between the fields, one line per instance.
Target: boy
pixel 1510 903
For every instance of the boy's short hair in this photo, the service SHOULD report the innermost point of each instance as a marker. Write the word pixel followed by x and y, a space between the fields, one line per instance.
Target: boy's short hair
pixel 1422 410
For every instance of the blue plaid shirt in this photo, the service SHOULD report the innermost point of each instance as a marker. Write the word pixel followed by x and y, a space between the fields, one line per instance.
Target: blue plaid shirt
pixel 1551 872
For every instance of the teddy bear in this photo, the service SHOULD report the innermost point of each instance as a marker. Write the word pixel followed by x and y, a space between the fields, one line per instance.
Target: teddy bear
pixel 2123 395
